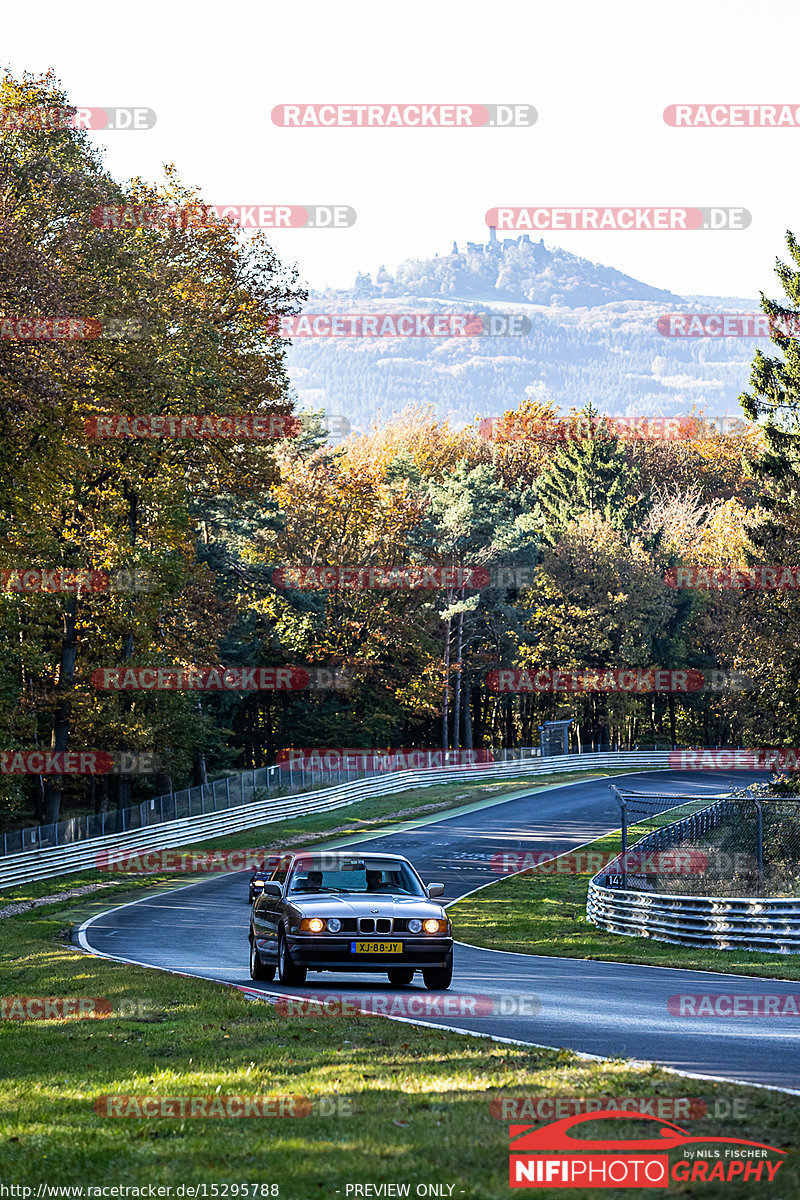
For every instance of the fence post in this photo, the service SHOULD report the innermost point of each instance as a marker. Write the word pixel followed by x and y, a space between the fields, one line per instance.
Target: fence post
pixel 228 789
pixel 760 837
pixel 624 831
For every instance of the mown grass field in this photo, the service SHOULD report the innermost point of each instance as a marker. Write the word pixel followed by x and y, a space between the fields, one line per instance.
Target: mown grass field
pixel 419 1098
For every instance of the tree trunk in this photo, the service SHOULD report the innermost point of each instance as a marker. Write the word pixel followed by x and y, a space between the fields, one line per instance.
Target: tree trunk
pixel 446 697
pixel 468 714
pixel 199 774
pixel 125 782
pixel 63 717
pixel 509 722
pixel 457 697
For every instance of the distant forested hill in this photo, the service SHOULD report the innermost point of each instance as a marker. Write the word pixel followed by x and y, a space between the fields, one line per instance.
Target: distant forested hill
pixel 593 337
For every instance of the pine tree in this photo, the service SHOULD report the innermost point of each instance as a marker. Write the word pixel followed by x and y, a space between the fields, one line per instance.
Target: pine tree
pixel 591 474
pixel 775 383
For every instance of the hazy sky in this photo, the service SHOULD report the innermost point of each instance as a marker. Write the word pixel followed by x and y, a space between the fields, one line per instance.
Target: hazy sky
pixel 599 75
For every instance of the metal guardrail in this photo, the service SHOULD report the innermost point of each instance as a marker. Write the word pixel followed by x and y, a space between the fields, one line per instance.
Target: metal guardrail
pixel 226 792
pixel 770 925
pixel 52 861
pixel 719 923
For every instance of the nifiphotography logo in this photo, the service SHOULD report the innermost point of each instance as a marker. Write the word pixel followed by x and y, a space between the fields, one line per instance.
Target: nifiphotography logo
pixel 553 1156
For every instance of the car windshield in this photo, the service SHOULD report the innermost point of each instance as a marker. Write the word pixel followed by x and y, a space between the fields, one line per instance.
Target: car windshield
pixel 354 876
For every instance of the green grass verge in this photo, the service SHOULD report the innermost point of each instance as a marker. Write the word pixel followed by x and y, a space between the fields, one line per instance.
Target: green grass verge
pixel 420 1098
pixel 543 912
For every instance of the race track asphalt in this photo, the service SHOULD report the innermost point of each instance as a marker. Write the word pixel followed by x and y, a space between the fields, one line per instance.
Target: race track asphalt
pixel 600 1008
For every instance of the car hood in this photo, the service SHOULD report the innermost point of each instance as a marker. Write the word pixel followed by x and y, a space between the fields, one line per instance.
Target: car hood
pixel 330 905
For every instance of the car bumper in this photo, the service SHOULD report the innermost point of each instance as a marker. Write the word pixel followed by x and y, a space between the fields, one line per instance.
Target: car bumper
pixel 336 953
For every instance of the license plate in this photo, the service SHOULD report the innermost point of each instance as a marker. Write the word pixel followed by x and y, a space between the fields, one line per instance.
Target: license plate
pixel 376 947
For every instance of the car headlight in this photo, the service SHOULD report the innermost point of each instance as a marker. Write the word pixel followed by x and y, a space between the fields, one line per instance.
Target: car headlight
pixel 312 925
pixel 433 926
pixel 334 925
pixel 414 926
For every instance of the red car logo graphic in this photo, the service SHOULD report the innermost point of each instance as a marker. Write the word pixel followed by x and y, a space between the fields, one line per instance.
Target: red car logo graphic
pixel 556 1136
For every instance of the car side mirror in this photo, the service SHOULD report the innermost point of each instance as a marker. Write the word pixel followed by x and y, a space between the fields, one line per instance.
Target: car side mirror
pixel 272 889
pixel 435 889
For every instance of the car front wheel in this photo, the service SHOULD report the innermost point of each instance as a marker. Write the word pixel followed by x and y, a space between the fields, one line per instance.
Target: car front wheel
pixel 400 976
pixel 438 978
pixel 288 972
pixel 258 969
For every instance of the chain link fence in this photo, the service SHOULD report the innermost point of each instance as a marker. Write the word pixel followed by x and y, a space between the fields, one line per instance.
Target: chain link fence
pixel 744 844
